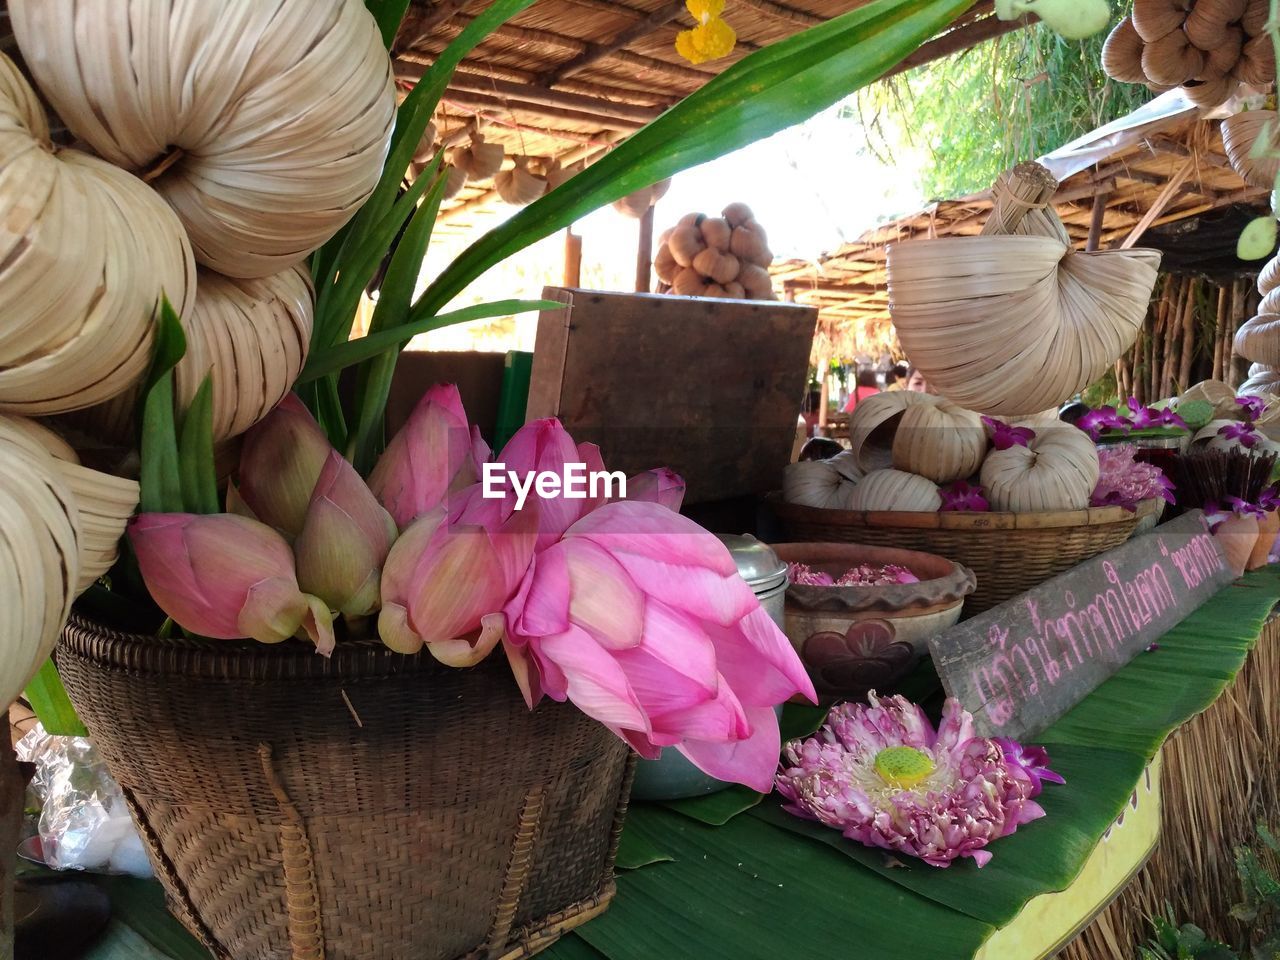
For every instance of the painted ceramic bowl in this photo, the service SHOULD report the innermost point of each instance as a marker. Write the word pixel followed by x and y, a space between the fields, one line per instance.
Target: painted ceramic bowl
pixel 853 639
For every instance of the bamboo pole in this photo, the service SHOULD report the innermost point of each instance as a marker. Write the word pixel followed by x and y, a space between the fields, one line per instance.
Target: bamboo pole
pixel 1188 346
pixel 644 252
pixel 1219 325
pixel 1231 373
pixel 572 258
pixel 824 378
pixel 659 17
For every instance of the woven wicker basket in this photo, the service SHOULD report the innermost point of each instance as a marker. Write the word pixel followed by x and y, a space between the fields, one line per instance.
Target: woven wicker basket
pixel 368 807
pixel 1009 552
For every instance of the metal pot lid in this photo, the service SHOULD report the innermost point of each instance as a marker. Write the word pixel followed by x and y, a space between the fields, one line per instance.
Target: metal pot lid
pixel 757 563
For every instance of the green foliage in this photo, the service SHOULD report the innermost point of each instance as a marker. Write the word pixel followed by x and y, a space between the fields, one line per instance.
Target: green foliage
pixel 977 113
pixel 1187 942
pixel 1261 905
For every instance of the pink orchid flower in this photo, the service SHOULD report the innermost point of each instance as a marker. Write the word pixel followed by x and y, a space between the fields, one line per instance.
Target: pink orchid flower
pixel 280 463
pixel 1251 408
pixel 1242 433
pixel 964 497
pixel 434 454
pixel 639 617
pixel 657 486
pixel 445 583
pixel 344 541
pixel 227 577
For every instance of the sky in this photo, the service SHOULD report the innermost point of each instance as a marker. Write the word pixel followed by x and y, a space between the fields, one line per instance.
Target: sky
pixel 813 187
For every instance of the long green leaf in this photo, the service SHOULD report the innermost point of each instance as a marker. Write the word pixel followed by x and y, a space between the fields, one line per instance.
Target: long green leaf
pixel 771 89
pixel 48 698
pixel 388 13
pixel 160 488
pixel 197 474
pixel 373 383
pixel 170 344
pixel 346 354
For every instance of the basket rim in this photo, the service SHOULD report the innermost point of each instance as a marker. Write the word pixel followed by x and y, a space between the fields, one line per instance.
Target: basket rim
pixel 239 660
pixel 983 522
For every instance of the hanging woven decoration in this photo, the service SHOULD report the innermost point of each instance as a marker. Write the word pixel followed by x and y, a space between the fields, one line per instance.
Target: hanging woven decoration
pixel 1016 321
pixel 725 256
pixel 524 183
pixel 1207 47
pixel 637 204
pixel 1240 134
pixel 264 125
pixel 39 559
pixel 88 250
pixel 478 160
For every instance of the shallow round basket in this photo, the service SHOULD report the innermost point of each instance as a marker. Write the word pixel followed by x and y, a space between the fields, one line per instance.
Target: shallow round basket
pixel 371 806
pixel 1008 552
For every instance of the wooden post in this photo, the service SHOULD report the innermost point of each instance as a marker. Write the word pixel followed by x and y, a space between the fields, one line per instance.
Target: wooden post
pixel 644 252
pixel 1095 224
pixel 824 378
pixel 12 792
pixel 1188 345
pixel 572 258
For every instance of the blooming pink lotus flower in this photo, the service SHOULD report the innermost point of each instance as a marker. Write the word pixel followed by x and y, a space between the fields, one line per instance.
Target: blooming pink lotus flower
pixel 639 617
pixel 344 541
pixel 545 446
pixel 445 583
pixel 227 577
pixel 434 454
pixel 657 486
pixel 886 778
pixel 280 463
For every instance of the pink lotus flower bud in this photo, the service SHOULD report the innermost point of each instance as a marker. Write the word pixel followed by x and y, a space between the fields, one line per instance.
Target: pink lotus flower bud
pixel 640 618
pixel 434 454
pixel 445 584
pixel 280 463
pixel 657 486
pixel 227 577
pixel 544 446
pixel 344 541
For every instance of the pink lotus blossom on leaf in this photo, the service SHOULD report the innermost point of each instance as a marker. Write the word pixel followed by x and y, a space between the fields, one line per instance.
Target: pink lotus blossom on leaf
pixel 964 497
pixel 640 618
pixel 280 463
pixel 227 577
pixel 881 775
pixel 657 486
pixel 434 454
pixel 1004 435
pixel 445 584
pixel 344 541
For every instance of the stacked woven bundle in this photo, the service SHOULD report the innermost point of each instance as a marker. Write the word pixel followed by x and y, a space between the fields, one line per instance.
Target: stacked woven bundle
pixel 1258 339
pixel 724 256
pixel 1208 47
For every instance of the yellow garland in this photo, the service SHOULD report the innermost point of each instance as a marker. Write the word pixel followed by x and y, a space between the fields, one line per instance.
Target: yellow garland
pixel 710 40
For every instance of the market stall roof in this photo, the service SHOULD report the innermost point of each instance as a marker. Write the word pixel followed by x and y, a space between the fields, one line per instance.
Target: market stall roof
pixel 567 79
pixel 1168 185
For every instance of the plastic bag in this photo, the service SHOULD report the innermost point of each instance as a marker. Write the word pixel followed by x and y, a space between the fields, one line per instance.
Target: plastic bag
pixel 84 821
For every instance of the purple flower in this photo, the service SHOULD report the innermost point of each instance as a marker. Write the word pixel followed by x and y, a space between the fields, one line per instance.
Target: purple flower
pixel 1242 433
pixel 1269 499
pixel 1004 435
pixel 874 575
pixel 884 777
pixel 963 497
pixel 1151 417
pixel 803 575
pixel 1097 422
pixel 1252 407
pixel 1243 508
pixel 1124 481
pixel 1033 760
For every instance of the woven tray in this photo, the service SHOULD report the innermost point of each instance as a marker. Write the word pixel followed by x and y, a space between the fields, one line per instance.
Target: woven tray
pixel 368 807
pixel 1009 552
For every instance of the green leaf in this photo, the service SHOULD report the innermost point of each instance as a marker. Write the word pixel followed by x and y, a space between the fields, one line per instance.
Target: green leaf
pixel 389 14
pixel 800 720
pixel 767 91
pixel 717 809
pixel 1258 239
pixel 640 847
pixel 160 489
pixel 48 698
pixel 139 905
pixel 333 359
pixel 198 476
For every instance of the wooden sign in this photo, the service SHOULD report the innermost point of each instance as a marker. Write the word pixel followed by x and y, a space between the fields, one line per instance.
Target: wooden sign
pixel 1021 666
pixel 710 388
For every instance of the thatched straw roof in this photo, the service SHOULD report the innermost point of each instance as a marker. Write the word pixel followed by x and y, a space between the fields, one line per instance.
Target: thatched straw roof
pixel 569 78
pixel 1173 174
